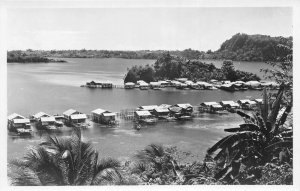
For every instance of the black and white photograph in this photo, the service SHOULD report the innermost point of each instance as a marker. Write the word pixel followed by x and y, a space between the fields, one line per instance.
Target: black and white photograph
pixel 130 95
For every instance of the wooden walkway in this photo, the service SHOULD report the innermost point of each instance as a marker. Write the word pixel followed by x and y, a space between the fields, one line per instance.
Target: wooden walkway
pixel 126 114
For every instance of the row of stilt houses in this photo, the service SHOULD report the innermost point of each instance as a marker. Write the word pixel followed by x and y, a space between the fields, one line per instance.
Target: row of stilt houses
pixel 148 114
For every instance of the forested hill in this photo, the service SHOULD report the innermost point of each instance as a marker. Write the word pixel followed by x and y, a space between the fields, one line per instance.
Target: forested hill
pixel 245 47
pixel 240 47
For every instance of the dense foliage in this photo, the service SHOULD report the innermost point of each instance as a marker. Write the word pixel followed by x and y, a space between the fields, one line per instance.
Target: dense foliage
pixel 263 138
pixel 139 54
pixel 245 47
pixel 282 71
pixel 21 57
pixel 240 47
pixel 64 161
pixel 170 67
pixel 145 73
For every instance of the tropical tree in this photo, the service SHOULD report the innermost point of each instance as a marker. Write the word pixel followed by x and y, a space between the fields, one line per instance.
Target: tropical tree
pixel 156 165
pixel 64 161
pixel 282 70
pixel 262 139
pixel 229 70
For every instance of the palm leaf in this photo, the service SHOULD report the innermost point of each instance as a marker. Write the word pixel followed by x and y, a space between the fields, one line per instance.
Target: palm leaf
pixel 275 108
pixel 244 127
pixel 139 168
pixel 244 115
pixel 149 154
pixel 288 144
pixel 23 176
pixel 284 115
pixel 222 172
pixel 265 106
pixel 217 145
pixel 230 140
pixel 107 163
pixel 107 177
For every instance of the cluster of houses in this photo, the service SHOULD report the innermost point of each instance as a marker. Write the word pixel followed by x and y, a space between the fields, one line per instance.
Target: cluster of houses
pixel 150 113
pixel 184 83
pixel 43 121
pixel 144 114
pixel 231 106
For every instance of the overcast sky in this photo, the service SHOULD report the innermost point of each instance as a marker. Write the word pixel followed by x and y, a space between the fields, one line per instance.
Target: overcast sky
pixel 140 28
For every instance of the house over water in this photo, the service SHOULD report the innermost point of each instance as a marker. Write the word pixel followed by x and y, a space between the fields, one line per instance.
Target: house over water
pixel 161 112
pixel 40 114
pixel 16 121
pixel 149 108
pixel 73 116
pixel 102 116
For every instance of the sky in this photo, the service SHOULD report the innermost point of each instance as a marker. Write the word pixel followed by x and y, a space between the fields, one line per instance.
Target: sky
pixel 139 28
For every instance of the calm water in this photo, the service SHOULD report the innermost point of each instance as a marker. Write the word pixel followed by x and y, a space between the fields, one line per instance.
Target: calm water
pixel 54 88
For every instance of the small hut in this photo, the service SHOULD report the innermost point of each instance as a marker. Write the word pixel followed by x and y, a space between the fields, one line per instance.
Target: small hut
pixel 161 112
pixel 104 117
pixel 78 118
pixel 247 104
pixel 129 85
pixel 184 110
pixel 163 83
pixel 149 108
pixel 144 86
pixel 229 105
pixel 38 115
pixel 16 121
pixel 73 116
pixel 45 121
pixel 154 85
pixel 144 117
pixel 211 107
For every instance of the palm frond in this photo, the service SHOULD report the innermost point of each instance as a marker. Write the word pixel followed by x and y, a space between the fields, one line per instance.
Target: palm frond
pixel 244 115
pixel 216 146
pixel 284 115
pixel 107 163
pixel 275 108
pixel 138 168
pixel 149 154
pixel 265 106
pixel 23 176
pixel 287 144
pixel 107 176
pixel 244 127
pixel 230 140
pixel 57 143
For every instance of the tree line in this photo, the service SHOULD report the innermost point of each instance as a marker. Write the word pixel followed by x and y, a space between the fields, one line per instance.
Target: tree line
pixel 170 67
pixel 240 47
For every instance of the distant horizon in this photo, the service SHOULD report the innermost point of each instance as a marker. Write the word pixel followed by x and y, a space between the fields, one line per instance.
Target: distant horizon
pixel 128 29
pixel 137 49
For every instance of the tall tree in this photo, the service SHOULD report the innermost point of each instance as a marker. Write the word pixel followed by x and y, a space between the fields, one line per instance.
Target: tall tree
pixel 228 70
